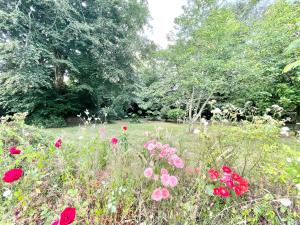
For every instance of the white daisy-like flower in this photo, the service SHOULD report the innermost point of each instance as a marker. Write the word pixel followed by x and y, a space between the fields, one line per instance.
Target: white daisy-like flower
pixel 216 111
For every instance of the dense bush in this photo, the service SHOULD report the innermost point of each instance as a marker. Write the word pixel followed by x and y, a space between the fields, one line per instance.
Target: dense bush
pixel 174 114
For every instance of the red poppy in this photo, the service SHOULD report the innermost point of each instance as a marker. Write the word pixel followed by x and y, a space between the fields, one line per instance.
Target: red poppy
pixel 125 128
pixel 230 184
pixel 226 169
pixel 236 177
pixel 14 151
pixel 67 216
pixel 216 191
pixel 114 140
pixel 223 192
pixel 58 143
pixel 12 175
pixel 238 190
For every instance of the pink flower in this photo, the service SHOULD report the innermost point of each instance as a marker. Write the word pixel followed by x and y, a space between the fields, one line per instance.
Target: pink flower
pixel 165 193
pixel 163 171
pixel 148 172
pixel 14 151
pixel 173 181
pixel 223 192
pixel 165 179
pixel 178 163
pixel 157 195
pixel 225 179
pixel 164 153
pixel 147 133
pixel 55 222
pixel 150 146
pixel 58 143
pixel 114 141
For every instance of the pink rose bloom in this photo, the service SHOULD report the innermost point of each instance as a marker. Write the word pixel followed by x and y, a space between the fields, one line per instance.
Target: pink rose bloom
pixel 157 195
pixel 176 161
pixel 165 193
pixel 164 153
pixel 165 179
pixel 163 171
pixel 173 181
pixel 172 151
pixel 148 172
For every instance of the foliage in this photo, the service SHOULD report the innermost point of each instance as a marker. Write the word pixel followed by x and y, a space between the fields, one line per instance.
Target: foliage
pixel 227 53
pixel 107 185
pixel 65 56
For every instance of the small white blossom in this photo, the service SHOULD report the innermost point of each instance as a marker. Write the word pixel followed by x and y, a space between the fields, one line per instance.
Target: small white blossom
pixel 298 159
pixel 6 193
pixel 285 202
pixel 216 111
pixel 196 131
pixel 298 186
pixel 84 4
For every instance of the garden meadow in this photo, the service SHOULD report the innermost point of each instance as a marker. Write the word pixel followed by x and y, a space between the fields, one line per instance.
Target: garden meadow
pixel 102 125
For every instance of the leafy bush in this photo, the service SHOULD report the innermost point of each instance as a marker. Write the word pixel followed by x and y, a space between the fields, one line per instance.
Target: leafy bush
pixel 174 114
pixel 51 122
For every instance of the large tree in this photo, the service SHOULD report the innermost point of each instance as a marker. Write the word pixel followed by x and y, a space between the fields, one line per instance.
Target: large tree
pixel 89 44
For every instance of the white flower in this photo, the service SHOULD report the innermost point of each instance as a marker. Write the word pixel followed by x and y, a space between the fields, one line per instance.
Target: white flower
pixel 285 202
pixel 196 131
pixel 298 186
pixel 6 193
pixel 204 121
pixel 289 160
pixel 216 111
pixel 298 159
pixel 284 131
pixel 84 4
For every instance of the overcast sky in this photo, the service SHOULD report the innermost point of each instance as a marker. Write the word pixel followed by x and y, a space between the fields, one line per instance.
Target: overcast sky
pixel 163 13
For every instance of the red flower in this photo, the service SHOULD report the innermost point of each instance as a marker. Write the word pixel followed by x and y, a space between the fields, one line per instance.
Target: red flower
pixel 14 151
pixel 238 190
pixel 223 192
pixel 58 143
pixel 12 175
pixel 244 188
pixel 213 174
pixel 125 128
pixel 216 191
pixel 236 177
pixel 230 184
pixel 226 169
pixel 67 216
pixel 243 182
pixel 114 140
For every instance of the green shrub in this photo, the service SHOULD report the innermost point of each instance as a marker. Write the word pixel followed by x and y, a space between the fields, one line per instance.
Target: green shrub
pixel 174 114
pixel 51 122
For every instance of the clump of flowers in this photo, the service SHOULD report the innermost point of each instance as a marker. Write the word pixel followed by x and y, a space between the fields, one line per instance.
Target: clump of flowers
pixel 167 153
pixel 229 182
